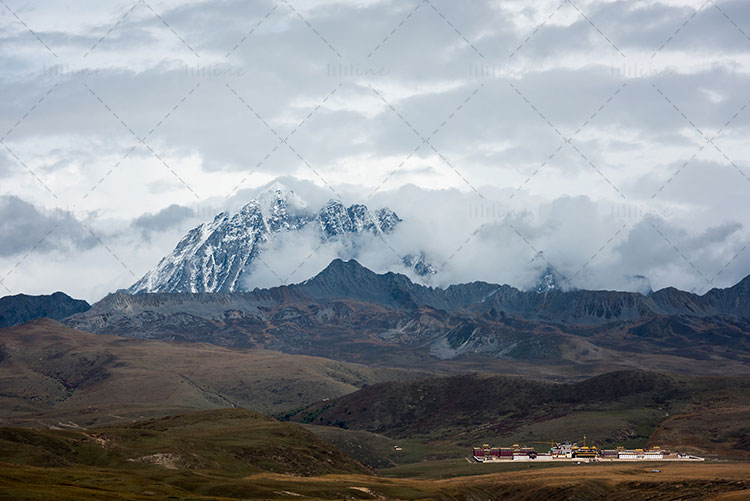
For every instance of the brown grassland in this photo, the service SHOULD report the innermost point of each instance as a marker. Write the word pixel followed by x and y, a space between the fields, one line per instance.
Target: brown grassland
pixel 728 481
pixel 239 454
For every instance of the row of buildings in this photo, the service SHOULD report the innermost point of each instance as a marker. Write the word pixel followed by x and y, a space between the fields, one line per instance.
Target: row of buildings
pixel 572 451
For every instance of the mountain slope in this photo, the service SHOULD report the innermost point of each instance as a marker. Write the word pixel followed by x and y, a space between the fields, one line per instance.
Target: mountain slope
pixel 629 408
pixel 22 308
pixel 51 373
pixel 348 312
pixel 235 441
pixel 349 279
pixel 475 405
pixel 215 256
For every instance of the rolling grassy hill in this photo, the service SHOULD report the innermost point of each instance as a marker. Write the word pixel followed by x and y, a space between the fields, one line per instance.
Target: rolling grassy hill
pixel 230 441
pixel 54 375
pixel 628 408
pixel 239 454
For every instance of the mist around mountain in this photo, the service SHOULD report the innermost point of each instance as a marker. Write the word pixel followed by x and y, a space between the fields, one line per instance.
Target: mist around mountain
pixel 281 236
pixel 431 244
pixel 224 254
pixel 217 256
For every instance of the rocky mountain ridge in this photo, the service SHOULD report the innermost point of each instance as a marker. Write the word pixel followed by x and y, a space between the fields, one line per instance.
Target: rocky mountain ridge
pixel 349 312
pixel 350 279
pixel 22 308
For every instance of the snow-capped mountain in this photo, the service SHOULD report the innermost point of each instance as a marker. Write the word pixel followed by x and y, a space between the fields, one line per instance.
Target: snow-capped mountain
pixel 419 264
pixel 550 280
pixel 336 219
pixel 214 256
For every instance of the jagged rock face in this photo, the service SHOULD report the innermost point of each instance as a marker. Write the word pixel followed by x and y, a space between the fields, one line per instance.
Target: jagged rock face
pixel 548 282
pixel 19 309
pixel 419 264
pixel 551 280
pixel 336 219
pixel 214 256
pixel 387 219
pixel 350 280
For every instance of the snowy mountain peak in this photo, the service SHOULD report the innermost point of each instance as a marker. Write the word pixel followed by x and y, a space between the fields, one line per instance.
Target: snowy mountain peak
pixel 214 256
pixel 419 264
pixel 549 280
pixel 221 215
pixel 279 197
pixel 387 219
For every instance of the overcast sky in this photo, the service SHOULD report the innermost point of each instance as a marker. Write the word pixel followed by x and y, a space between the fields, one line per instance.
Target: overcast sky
pixel 611 136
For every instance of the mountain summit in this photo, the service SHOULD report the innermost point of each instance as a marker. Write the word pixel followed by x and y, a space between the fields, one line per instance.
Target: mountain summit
pixel 214 256
pixel 549 280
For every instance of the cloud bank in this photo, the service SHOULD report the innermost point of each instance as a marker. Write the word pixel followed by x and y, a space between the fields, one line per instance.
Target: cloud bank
pixel 607 138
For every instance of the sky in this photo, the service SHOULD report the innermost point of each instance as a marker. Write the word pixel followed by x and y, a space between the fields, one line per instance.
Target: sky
pixel 607 139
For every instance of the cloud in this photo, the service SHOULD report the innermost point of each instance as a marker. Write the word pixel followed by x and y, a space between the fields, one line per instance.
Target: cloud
pixel 23 228
pixel 592 244
pixel 670 255
pixel 166 219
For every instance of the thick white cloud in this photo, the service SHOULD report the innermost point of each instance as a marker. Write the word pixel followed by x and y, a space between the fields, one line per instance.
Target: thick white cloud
pixel 592 243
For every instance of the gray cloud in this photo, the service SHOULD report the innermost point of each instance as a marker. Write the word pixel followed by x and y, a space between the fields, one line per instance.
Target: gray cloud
pixel 165 220
pixel 23 228
pixel 657 248
pixel 594 245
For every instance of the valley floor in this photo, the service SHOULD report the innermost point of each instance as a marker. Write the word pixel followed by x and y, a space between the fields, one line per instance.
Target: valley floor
pixel 720 481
